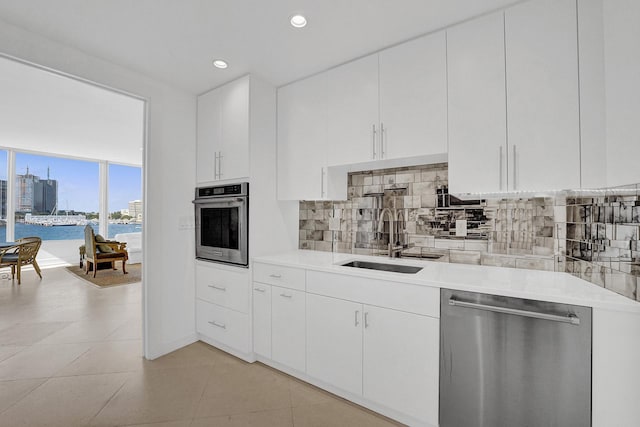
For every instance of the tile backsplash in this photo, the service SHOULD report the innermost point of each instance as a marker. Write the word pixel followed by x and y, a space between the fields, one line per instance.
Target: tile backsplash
pixel 602 233
pixel 594 238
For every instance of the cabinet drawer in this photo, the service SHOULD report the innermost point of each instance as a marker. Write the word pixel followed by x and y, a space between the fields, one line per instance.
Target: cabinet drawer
pixel 399 296
pixel 223 325
pixel 223 287
pixel 288 277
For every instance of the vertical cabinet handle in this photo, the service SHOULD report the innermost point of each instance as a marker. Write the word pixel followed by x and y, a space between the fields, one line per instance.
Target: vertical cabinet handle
pixel 373 141
pixel 501 168
pixel 356 323
pixel 322 182
pixel 219 164
pixel 366 319
pixel 215 165
pixel 383 152
pixel 515 185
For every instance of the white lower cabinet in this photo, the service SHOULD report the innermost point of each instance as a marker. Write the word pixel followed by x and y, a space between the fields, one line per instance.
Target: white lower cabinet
pixel 262 319
pixel 222 307
pixel 332 331
pixel 334 342
pixel 288 327
pixel 223 325
pixel 401 362
pixel 388 356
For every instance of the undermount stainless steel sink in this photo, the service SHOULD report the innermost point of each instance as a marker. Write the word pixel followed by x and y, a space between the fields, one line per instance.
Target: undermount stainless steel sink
pixel 395 268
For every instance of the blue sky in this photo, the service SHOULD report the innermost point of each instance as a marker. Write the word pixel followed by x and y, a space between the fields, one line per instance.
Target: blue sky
pixel 78 181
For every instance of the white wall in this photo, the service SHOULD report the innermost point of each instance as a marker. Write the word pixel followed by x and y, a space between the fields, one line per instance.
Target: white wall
pixel 169 161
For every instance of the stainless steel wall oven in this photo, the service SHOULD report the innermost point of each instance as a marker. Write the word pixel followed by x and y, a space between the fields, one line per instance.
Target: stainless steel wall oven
pixel 222 223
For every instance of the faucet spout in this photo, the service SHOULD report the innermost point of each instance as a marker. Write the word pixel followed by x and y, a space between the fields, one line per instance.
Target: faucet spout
pixel 393 220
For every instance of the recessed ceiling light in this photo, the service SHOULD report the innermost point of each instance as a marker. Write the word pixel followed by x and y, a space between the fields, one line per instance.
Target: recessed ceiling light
pixel 298 21
pixel 219 63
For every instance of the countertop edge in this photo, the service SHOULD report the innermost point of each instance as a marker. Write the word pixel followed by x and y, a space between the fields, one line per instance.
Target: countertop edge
pixel 326 262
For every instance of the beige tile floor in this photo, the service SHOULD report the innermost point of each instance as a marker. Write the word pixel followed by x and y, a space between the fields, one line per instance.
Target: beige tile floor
pixel 71 355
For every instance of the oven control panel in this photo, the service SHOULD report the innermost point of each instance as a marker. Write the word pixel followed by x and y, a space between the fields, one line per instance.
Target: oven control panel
pixel 241 189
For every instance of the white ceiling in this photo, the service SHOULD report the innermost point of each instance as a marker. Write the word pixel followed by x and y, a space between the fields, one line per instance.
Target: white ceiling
pixel 175 40
pixel 44 112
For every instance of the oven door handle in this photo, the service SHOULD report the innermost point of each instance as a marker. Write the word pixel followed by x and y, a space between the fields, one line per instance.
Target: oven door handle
pixel 220 202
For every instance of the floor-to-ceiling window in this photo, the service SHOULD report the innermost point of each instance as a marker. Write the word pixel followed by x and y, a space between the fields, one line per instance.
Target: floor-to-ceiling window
pixel 125 199
pixel 55 196
pixel 3 195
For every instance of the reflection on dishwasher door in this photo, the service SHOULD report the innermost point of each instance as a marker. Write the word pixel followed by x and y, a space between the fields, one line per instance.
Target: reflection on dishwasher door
pixel 508 362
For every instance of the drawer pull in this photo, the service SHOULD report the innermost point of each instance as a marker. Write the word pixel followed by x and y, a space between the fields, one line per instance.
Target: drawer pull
pixel 286 296
pixel 259 290
pixel 366 319
pixel 276 276
pixel 219 325
pixel 218 288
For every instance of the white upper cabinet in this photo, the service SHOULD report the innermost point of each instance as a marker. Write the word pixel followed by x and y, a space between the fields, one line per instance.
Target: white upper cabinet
pixel 622 71
pixel 208 135
pixel 353 121
pixel 542 95
pixel 477 106
pixel 223 132
pixel 593 149
pixel 302 139
pixel 413 98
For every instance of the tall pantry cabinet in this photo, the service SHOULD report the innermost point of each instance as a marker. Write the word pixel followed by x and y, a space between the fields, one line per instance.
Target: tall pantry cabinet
pixel 236 131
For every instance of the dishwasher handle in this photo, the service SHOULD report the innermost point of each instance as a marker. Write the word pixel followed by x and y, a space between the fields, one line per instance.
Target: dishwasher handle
pixel 570 318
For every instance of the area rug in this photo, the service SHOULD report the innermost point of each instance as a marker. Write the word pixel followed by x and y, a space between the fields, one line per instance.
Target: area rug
pixel 108 277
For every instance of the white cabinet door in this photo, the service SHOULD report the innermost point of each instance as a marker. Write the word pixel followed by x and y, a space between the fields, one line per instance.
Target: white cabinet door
pixel 542 95
pixel 208 135
pixel 413 98
pixel 477 106
pixel 302 139
pixel 223 133
pixel 622 68
pixel 288 327
pixel 592 94
pixel 262 319
pixel 334 342
pixel 401 362
pixel 233 155
pixel 353 112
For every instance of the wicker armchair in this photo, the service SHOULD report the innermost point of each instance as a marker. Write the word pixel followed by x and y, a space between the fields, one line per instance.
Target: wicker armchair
pixel 97 252
pixel 24 253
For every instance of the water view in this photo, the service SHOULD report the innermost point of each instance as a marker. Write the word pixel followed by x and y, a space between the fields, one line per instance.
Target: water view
pixel 70 232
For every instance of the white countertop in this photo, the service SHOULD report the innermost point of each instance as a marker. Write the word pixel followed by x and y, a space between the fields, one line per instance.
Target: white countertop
pixel 532 284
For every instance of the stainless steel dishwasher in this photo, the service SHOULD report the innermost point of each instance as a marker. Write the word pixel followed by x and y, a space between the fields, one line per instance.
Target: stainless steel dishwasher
pixel 510 362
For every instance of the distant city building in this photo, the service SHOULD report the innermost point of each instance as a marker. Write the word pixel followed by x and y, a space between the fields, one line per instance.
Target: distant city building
pixel 135 210
pixel 35 195
pixel 124 212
